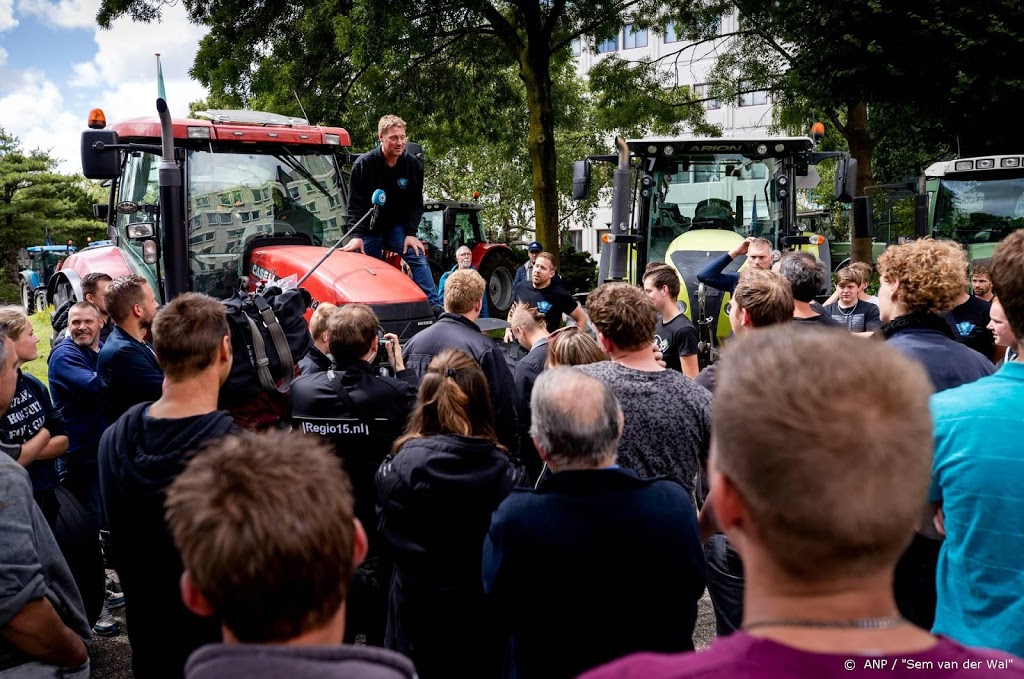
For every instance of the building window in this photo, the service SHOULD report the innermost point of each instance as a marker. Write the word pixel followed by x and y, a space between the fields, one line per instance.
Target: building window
pixel 577 239
pixel 671 35
pixel 609 45
pixel 633 37
pixel 577 47
pixel 757 98
pixel 701 92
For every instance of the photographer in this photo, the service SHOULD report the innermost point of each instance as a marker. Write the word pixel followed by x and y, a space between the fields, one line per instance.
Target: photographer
pixel 361 414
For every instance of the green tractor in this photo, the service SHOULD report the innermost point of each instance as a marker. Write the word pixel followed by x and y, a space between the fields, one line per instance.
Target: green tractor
pixel 38 263
pixel 687 201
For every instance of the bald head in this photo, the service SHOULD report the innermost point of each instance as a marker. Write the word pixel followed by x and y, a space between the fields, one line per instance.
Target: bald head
pixel 576 419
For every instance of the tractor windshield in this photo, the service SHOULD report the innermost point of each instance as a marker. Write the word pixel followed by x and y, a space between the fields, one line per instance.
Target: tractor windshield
pixel 979 210
pixel 236 197
pixel 722 191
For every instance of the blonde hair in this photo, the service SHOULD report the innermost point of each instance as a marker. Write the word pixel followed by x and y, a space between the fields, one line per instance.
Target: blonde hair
pixel 462 290
pixel 570 346
pixel 525 317
pixel 389 121
pixel 318 321
pixel 15 320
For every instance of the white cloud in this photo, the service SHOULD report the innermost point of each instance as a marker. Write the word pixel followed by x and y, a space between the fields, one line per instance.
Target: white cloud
pixel 33 111
pixel 120 79
pixel 7 20
pixel 63 13
pixel 3 56
pixel 85 75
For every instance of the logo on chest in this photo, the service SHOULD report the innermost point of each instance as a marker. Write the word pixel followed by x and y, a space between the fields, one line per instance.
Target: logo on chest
pixel 403 183
pixel 965 328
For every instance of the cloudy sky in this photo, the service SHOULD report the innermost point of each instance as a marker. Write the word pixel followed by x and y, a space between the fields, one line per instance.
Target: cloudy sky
pixel 56 65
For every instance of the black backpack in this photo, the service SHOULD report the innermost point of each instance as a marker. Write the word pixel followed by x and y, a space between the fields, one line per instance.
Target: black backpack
pixel 269 336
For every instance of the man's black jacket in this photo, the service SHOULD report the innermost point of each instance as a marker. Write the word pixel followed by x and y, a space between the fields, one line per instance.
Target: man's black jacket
pixel 360 414
pixel 453 331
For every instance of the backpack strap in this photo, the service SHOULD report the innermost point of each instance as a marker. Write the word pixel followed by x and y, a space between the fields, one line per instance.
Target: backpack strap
pixel 284 352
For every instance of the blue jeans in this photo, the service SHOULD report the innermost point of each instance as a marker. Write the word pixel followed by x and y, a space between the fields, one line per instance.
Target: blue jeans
pixel 373 245
pixel 725 584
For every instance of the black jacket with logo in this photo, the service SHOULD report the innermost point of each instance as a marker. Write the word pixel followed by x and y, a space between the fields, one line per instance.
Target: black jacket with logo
pixel 361 415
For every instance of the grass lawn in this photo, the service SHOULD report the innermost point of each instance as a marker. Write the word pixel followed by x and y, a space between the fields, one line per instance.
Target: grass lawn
pixel 41 325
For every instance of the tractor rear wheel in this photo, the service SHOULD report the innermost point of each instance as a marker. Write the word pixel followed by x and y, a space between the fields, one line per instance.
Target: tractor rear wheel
pixel 27 298
pixel 498 271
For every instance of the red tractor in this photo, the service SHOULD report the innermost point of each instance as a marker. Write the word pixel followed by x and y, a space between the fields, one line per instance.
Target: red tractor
pixel 445 227
pixel 227 201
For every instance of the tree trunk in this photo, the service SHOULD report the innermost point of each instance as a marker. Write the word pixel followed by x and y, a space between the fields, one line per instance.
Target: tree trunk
pixel 862 147
pixel 535 71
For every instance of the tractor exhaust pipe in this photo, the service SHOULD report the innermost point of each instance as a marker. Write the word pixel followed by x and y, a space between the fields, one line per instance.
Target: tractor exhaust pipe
pixel 614 266
pixel 172 211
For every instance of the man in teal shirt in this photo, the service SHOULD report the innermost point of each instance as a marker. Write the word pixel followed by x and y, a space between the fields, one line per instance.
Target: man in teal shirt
pixel 978 488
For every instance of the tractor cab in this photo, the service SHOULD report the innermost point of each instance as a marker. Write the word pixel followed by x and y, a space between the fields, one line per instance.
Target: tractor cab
pixel 448 225
pixel 687 201
pixel 37 264
pixel 229 201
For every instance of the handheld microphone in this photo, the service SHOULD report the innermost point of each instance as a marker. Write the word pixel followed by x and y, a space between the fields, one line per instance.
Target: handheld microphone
pixel 378 199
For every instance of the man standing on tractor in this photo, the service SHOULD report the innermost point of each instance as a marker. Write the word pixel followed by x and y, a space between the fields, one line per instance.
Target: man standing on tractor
pixel 400 176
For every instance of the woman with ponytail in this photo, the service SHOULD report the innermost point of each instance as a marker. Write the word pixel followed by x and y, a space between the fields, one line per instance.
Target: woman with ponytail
pixel 435 496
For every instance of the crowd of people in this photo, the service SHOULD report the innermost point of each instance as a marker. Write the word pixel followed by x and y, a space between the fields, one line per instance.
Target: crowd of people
pixel 844 482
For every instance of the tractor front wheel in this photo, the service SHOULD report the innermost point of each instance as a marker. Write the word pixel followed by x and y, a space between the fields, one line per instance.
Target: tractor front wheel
pixel 498 271
pixel 27 297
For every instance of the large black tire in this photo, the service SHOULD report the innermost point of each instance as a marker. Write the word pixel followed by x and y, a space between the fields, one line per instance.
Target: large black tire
pixel 79 541
pixel 499 270
pixel 27 297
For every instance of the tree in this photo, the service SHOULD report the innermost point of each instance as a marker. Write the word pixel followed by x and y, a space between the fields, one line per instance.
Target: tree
pixel 34 198
pixel 441 64
pixel 926 66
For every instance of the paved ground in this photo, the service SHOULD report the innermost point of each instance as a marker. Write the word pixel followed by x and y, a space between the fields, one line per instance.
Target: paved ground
pixel 112 658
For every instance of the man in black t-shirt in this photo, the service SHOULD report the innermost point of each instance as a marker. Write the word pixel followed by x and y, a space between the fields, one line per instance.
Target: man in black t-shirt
pixel 550 298
pixel 969 320
pixel 674 334
pixel 858 316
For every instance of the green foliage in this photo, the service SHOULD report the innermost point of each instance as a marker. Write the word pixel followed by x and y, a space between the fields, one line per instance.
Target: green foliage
pixel 936 77
pixel 34 198
pixel 578 270
pixel 489 87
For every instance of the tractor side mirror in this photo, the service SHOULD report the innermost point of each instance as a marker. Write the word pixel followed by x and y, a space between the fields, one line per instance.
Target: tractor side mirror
pixel 415 150
pixel 100 211
pixel 581 180
pixel 846 179
pixel 141 230
pixel 99 161
pixel 921 215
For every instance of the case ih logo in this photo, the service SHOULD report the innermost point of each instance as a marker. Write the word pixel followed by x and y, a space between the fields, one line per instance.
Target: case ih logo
pixel 717 148
pixel 262 274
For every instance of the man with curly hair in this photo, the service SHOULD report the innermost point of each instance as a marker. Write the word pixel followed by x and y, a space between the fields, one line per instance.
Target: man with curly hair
pixel 919 281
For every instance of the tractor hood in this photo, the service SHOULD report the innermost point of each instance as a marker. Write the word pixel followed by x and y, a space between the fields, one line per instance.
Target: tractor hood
pixel 347 277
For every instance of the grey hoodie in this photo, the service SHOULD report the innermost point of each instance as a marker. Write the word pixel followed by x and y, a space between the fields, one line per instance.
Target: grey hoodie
pixel 259 661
